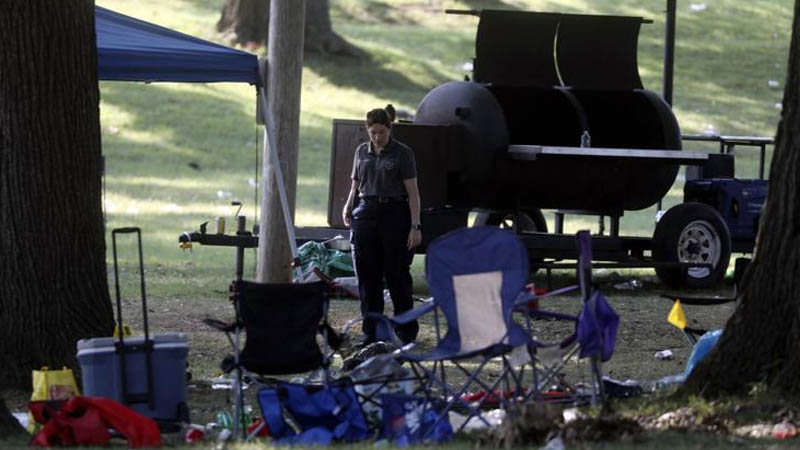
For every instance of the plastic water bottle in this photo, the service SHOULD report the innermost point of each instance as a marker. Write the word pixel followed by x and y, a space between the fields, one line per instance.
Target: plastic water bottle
pixel 664 355
pixel 586 140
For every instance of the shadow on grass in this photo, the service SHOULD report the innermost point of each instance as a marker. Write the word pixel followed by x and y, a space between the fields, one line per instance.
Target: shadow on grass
pixel 363 74
pixel 193 124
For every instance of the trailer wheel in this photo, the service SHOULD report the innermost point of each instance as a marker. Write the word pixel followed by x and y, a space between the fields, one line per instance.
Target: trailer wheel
pixel 528 220
pixel 692 232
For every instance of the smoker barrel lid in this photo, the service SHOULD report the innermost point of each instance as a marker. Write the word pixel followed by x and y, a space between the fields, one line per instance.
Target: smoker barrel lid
pixel 536 49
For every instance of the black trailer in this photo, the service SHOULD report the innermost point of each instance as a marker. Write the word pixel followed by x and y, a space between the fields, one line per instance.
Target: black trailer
pixel 555 100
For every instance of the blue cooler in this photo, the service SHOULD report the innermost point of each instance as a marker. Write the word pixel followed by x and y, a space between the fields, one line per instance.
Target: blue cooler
pixel 102 374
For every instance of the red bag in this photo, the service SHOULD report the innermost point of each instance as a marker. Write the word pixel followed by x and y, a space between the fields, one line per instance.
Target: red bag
pixel 85 421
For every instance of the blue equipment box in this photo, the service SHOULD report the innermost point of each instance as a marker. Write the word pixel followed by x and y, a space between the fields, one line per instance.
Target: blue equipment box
pixel 102 377
pixel 739 202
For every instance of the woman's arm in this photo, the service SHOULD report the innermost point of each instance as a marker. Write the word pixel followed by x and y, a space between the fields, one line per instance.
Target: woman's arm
pixel 347 211
pixel 414 235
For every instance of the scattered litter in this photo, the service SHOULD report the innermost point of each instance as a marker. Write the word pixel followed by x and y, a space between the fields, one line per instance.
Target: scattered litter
pixel 773 83
pixel 224 435
pixel 571 414
pixel 666 382
pixel 664 355
pixel 757 430
pixel 494 417
pixel 371 350
pixel 630 285
pixel 698 7
pixel 194 433
pixel 779 106
pixel 224 194
pixel 710 130
pixel 222 382
pixel 486 398
pixel 784 430
pixel 701 348
pixel 252 182
pixel 22 418
pixel 621 389
pixel 555 444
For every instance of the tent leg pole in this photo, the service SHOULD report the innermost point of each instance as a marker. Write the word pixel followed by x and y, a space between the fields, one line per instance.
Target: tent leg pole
pixel 270 148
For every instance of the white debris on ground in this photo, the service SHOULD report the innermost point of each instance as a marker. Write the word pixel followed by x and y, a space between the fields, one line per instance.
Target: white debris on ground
pixel 696 7
pixel 494 417
pixel 710 130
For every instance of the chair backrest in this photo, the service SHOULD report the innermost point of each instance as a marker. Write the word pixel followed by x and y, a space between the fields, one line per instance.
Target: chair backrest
pixel 281 322
pixel 474 275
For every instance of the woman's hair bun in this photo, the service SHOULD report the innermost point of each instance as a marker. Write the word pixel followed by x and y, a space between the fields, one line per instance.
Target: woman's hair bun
pixel 390 112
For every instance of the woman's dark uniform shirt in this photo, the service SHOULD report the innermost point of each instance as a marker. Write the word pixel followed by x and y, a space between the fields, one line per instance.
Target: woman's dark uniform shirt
pixel 382 174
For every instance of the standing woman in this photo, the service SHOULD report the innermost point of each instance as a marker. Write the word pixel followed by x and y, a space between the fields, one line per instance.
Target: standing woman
pixel 384 221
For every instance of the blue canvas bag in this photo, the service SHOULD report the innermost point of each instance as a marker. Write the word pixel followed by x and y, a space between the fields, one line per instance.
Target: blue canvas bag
pixel 308 415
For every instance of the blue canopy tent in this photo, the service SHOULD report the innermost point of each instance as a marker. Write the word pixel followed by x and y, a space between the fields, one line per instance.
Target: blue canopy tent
pixel 130 49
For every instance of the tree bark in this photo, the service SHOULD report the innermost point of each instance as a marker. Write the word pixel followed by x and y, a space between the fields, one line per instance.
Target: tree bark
pixel 246 23
pixel 761 341
pixel 284 75
pixel 53 286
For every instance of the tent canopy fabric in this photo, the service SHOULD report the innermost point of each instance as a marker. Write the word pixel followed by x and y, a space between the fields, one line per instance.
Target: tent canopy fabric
pixel 130 49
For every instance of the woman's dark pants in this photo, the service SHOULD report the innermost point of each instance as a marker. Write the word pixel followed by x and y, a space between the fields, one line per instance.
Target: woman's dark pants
pixel 380 249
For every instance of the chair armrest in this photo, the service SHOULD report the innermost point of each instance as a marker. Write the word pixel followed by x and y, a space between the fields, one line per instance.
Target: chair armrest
pixel 525 296
pixel 415 313
pixel 406 317
pixel 220 325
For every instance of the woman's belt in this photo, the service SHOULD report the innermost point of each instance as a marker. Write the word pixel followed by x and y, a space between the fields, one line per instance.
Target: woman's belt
pixel 383 199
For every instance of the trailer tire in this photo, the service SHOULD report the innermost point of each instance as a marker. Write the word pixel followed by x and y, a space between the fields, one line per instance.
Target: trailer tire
pixel 692 232
pixel 529 220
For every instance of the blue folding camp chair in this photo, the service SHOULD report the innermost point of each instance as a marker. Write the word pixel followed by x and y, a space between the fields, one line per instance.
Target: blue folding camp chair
pixel 475 275
pixel 594 334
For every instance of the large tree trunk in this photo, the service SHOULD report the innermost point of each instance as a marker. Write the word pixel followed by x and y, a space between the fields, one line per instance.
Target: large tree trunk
pixel 53 286
pixel 761 341
pixel 245 22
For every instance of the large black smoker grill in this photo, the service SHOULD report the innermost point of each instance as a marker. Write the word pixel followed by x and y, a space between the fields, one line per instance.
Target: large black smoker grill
pixel 509 143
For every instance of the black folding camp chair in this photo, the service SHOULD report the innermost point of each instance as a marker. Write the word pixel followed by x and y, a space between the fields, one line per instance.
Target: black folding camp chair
pixel 281 323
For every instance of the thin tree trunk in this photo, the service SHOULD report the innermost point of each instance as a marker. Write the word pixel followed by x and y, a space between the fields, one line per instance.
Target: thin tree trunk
pixel 761 341
pixel 245 22
pixel 283 81
pixel 53 286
